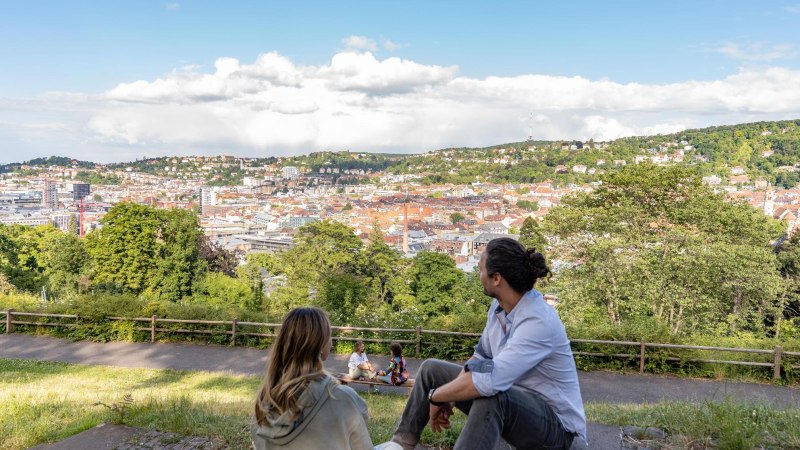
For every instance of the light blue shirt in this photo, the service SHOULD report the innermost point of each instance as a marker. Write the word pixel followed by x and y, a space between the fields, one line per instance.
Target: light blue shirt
pixel 528 348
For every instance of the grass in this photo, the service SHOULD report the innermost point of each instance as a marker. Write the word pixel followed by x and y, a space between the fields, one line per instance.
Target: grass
pixel 47 401
pixel 725 425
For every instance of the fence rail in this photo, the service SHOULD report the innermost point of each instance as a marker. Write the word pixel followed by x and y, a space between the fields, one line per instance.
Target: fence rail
pixel 233 328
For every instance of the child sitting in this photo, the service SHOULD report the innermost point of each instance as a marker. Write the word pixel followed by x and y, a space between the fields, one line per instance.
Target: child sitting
pixel 396 373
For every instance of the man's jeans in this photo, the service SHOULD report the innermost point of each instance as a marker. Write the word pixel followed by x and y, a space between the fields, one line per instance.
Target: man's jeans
pixel 521 417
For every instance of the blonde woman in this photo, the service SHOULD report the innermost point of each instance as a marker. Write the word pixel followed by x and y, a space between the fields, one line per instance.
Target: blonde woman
pixel 300 406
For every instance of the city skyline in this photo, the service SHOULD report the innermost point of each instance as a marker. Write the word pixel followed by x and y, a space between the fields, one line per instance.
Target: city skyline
pixel 111 83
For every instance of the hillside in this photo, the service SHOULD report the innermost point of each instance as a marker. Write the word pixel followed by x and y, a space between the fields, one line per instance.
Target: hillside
pixel 769 151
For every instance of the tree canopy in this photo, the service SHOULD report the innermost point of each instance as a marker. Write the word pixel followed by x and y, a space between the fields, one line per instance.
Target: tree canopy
pixel 655 243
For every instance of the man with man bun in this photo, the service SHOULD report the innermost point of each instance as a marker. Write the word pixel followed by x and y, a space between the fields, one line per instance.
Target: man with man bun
pixel 520 384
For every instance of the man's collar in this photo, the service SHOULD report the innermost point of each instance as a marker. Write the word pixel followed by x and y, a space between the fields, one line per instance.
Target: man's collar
pixel 526 297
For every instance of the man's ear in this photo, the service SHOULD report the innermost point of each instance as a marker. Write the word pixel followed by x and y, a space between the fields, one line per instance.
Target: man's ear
pixel 496 278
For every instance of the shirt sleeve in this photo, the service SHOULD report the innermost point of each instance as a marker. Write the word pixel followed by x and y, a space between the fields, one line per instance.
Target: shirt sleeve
pixel 530 344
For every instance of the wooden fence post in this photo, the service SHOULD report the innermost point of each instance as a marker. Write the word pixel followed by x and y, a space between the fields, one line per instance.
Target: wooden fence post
pixel 153 329
pixel 641 357
pixel 418 339
pixel 9 325
pixel 776 370
pixel 233 332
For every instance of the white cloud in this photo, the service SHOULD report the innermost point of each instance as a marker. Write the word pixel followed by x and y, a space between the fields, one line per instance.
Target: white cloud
pixel 758 51
pixel 359 43
pixel 363 72
pixel 357 101
pixel 391 46
pixel 173 6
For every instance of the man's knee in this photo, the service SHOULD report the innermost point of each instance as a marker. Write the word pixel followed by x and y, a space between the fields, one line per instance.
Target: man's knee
pixel 432 367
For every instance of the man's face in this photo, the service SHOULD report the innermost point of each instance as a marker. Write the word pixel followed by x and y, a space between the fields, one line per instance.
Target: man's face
pixel 359 348
pixel 486 280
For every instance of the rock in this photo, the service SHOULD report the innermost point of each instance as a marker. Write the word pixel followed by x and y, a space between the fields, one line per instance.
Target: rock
pixel 655 433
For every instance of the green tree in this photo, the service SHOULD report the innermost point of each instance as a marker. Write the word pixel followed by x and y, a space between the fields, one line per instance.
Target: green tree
pixel 66 260
pixel 141 248
pixel 322 247
pixel 221 291
pixel 654 243
pixel 179 264
pixel 22 254
pixel 5 286
pixel 384 267
pixel 528 205
pixel 324 252
pixel 125 248
pixel 789 260
pixel 530 235
pixel 456 217
pixel 340 294
pixel 436 282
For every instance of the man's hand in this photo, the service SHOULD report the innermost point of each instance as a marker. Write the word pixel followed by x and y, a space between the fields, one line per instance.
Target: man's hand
pixel 440 416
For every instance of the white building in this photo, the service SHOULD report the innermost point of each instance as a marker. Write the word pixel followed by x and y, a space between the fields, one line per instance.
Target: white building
pixel 208 197
pixel 290 172
pixel 252 181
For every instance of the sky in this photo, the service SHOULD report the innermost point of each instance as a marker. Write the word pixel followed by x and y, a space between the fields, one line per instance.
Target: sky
pixel 111 81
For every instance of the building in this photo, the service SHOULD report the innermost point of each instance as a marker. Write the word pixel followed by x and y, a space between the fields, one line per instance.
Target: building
pixel 265 243
pixel 291 173
pixel 30 199
pixel 80 191
pixel 208 197
pixel 25 219
pixel 62 221
pixel 296 221
pixel 50 195
pixel 252 182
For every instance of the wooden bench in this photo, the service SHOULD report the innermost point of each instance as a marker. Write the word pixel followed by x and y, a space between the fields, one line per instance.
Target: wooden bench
pixel 344 378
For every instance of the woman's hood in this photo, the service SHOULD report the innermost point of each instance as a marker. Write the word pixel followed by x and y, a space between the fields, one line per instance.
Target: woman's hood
pixel 282 429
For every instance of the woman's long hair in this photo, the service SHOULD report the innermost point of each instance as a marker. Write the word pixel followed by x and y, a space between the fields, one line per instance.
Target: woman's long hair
pixel 295 361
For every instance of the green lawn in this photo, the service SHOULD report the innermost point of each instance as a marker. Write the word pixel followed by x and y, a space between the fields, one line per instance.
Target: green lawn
pixel 725 425
pixel 44 402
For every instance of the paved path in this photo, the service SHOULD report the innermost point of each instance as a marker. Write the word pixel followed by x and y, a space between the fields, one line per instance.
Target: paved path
pixel 596 387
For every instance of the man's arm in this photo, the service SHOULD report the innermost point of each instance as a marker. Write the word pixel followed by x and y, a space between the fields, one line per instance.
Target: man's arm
pixel 460 389
pixel 531 343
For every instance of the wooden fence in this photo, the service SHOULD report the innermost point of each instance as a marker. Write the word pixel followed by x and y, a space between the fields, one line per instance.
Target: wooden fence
pixel 234 328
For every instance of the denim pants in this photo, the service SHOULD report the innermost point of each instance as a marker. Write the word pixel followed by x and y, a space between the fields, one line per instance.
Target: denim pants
pixel 521 417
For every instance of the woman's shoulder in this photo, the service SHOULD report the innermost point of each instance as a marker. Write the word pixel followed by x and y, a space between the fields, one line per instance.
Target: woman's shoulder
pixel 342 389
pixel 346 395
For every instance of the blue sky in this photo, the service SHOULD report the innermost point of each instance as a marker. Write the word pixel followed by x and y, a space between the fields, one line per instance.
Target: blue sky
pixel 86 78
